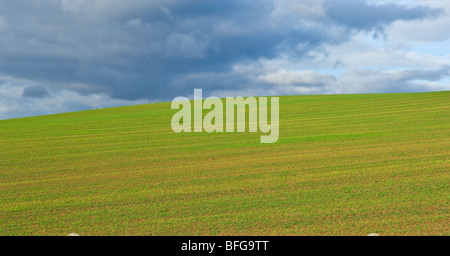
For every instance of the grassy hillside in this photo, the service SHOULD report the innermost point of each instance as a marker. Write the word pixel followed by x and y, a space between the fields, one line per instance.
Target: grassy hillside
pixel 343 165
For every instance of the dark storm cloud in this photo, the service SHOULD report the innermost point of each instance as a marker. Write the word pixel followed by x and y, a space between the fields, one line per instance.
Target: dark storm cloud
pixel 161 49
pixel 360 15
pixel 35 92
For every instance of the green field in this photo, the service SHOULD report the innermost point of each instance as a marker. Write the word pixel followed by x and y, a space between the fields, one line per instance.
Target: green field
pixel 343 165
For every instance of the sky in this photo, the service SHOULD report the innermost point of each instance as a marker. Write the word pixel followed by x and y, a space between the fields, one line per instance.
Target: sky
pixel 70 55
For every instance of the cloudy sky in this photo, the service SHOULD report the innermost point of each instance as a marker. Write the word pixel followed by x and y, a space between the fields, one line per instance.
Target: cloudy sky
pixel 68 55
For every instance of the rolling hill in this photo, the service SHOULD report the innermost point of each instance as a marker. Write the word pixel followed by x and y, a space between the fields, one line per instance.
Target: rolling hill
pixel 343 165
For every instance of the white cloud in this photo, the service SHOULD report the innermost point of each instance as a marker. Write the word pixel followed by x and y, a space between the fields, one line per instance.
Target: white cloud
pixel 373 81
pixel 363 51
pixel 294 9
pixel 2 23
pixel 169 15
pixel 109 8
pixel 426 30
pixel 134 23
pixel 292 77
